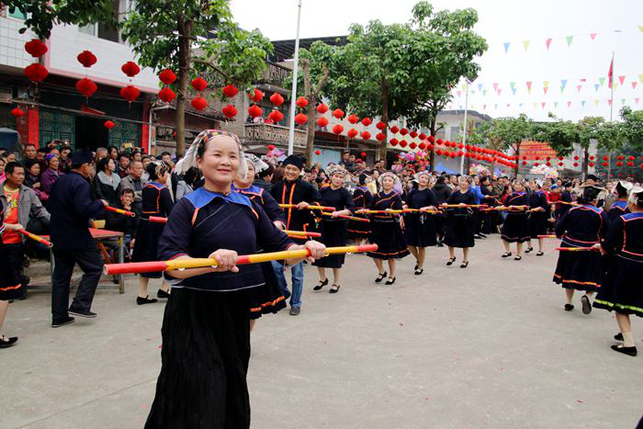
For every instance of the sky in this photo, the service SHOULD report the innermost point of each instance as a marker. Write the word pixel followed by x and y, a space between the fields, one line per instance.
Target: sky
pixel 569 76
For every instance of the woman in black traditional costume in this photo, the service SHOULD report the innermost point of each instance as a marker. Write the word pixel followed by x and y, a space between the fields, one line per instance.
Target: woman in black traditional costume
pixel 386 228
pixel 582 226
pixel 537 221
pixel 156 201
pixel 270 299
pixel 515 229
pixel 623 287
pixel 419 230
pixel 334 229
pixel 362 199
pixel 460 223
pixel 206 335
pixel 10 285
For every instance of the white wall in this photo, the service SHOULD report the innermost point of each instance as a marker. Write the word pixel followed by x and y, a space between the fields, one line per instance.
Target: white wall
pixel 12 44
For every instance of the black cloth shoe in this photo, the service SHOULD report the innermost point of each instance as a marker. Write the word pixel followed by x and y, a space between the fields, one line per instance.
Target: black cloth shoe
pixel 630 351
pixel 380 277
pixel 540 253
pixel 529 250
pixel 83 313
pixel 390 281
pixel 587 306
pixel 7 342
pixel 162 294
pixel 67 321
pixel 321 285
pixel 618 337
pixel 146 300
pixel 294 311
pixel 506 254
pixel 451 261
pixel 569 307
pixel 418 271
pixel 517 258
pixel 334 289
pixel 464 264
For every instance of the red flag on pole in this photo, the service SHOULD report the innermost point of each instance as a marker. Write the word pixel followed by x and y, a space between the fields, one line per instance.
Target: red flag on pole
pixel 610 74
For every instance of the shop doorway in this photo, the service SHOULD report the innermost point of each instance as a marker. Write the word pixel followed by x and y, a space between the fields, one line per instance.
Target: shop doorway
pixel 91 133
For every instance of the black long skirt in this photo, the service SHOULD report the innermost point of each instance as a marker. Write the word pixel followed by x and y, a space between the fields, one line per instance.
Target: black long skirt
pixel 268 298
pixel 579 270
pixel 623 288
pixel 358 230
pixel 389 239
pixel 537 224
pixel 515 229
pixel 334 234
pixel 419 230
pixel 459 231
pixel 205 356
pixel 147 243
pixel 10 286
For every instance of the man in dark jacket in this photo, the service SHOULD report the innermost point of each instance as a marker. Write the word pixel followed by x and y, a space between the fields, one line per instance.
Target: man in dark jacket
pixel 71 209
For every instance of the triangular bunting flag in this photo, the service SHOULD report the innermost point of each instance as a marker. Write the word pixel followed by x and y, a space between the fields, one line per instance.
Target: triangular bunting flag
pixel 636 100
pixel 525 43
pixel 499 91
pixel 508 104
pixel 543 105
pixel 495 106
pixel 545 89
pixel 563 83
pixel 512 85
pixel 484 92
pixel 641 27
pixel 479 87
pixel 582 102
pixel 583 80
pixel 634 83
pixel 459 93
pixel 546 83
pixel 506 47
pixel 473 91
pixel 621 79
pixel 548 43
pixel 622 101
pixel 569 40
pixel 569 103
pixel 529 87
pixel 579 87
pixel 596 86
pixel 641 78
pixel 555 104
pixel 609 101
pixel 484 107
pixel 593 36
pixel 535 105
pixel 601 80
pixel 495 86
pixel 513 90
pixel 596 102
pixel 520 104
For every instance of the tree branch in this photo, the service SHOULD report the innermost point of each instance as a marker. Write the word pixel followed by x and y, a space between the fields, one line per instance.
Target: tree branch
pixel 211 65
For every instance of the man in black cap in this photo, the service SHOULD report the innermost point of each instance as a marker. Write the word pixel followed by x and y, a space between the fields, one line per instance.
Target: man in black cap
pixel 293 190
pixel 72 207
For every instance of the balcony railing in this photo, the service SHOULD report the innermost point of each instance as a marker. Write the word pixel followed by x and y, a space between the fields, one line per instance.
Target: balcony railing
pixel 275 75
pixel 275 134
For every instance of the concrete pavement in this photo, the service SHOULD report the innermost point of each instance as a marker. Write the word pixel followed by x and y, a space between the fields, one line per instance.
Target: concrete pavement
pixel 484 347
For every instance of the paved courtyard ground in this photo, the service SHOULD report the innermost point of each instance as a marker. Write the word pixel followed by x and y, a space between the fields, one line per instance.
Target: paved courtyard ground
pixel 484 347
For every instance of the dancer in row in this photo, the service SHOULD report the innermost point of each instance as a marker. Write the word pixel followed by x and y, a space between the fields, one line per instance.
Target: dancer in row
pixel 362 199
pixel 387 228
pixel 206 335
pixel 460 224
pixel 582 227
pixel 333 228
pixel 419 230
pixel 537 220
pixel 515 228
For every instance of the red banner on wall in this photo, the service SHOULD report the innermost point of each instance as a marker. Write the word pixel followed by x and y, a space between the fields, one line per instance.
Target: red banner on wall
pixel 532 149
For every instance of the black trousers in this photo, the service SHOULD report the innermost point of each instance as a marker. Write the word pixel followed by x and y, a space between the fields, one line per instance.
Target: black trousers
pixel 92 265
pixel 16 254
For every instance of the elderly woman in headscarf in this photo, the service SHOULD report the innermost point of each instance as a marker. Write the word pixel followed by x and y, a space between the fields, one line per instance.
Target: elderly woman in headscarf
pixel 420 228
pixel 51 174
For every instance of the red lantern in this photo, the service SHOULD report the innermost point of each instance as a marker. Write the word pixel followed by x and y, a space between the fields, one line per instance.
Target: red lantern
pixel 641 166
pixel 438 152
pixel 322 122
pixel 36 72
pixel 537 158
pixel 301 102
pixel 393 142
pixel 561 158
pixel 366 135
pixel 460 153
pixel 255 95
pixel 380 137
pixel 591 164
pixel 413 145
pixel 17 112
pixel 561 164
pixel 619 164
pixel 575 164
pixel 606 158
pixel 630 164
pixel 230 91
pixel 337 129
pixel 404 131
pixel 36 48
pixel 395 129
pixel 338 113
pixel 352 133
pixel 199 84
pixel 439 141
pixel 429 147
pixel 301 119
pixel 366 122
pixel 255 111
pixel 318 152
pixel 322 108
pixel 380 126
pixel 130 93
pixel 403 143
pixel 130 68
pixel 276 99
pixel 363 154
pixel 576 158
pixel 167 76
pixel 591 157
pixel 167 95
pixel 620 157
pixel 87 59
pixel 353 119
pixel 86 87
pixel 276 116
pixel 422 136
pixel 413 134
pixel 524 163
pixel 199 103
pixel 431 139
pixel 230 111
pixel 109 124
pixel 605 164
pixel 631 158
pixel 422 146
pixel 271 147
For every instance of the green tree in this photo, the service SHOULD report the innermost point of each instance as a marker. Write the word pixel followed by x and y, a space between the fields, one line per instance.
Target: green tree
pixel 632 127
pixel 191 37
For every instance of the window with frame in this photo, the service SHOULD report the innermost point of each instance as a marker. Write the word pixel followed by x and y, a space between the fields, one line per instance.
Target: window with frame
pixel 101 30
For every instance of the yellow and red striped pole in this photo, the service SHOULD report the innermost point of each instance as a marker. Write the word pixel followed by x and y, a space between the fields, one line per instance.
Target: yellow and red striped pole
pixel 181 264
pixel 35 237
pixel 157 219
pixel 120 211
pixel 310 207
pixel 358 219
pixel 302 234
pixel 546 236
pixel 577 249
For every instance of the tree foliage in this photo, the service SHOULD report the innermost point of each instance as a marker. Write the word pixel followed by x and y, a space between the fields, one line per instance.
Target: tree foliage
pixel 632 127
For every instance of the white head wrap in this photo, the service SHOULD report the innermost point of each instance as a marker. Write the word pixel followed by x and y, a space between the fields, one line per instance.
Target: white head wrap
pixel 189 160
pixel 257 162
pixel 336 169
pixel 636 195
pixel 380 179
pixel 422 173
